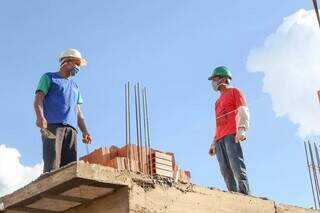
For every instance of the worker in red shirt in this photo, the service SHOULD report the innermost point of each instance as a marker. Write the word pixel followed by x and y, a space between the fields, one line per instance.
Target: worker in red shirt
pixel 232 122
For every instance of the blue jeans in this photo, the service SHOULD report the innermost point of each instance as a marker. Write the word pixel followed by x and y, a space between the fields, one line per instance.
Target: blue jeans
pixel 231 162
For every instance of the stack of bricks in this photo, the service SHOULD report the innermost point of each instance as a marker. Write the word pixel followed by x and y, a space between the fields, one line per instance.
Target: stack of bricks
pixel 162 164
pixel 101 156
pixel 130 157
pixel 119 158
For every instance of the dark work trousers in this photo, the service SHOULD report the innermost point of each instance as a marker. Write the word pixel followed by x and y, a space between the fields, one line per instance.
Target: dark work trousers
pixel 231 162
pixel 61 149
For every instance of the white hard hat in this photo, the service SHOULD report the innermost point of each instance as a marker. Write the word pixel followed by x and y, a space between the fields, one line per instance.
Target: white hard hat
pixel 72 53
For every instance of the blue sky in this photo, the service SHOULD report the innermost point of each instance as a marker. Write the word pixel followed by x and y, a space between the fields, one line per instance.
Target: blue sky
pixel 171 47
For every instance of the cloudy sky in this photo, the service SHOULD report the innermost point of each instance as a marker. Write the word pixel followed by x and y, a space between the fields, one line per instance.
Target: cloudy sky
pixel 289 61
pixel 171 47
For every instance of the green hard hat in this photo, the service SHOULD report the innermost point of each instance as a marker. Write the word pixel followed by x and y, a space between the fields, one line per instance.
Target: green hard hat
pixel 221 71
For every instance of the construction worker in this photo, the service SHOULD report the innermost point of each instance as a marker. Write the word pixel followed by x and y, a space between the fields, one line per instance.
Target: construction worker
pixel 232 122
pixel 57 106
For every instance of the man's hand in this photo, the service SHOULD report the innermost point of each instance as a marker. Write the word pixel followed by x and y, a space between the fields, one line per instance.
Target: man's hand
pixel 241 135
pixel 86 138
pixel 42 123
pixel 38 107
pixel 212 150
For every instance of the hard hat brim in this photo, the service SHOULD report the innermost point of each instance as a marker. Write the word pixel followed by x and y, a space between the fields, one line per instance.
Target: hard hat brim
pixel 83 61
pixel 211 77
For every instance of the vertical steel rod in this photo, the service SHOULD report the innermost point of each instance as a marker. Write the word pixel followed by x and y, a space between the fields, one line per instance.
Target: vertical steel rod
pixel 314 173
pixel 126 117
pixel 137 125
pixel 317 167
pixel 311 182
pixel 148 130
pixel 140 132
pixel 129 125
pixel 145 129
pixel 313 158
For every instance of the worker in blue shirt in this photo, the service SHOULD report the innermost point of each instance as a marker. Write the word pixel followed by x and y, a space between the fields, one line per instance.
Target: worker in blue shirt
pixel 57 106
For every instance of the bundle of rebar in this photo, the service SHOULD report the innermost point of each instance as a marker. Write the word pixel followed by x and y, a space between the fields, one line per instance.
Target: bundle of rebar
pixel 144 152
pixel 313 164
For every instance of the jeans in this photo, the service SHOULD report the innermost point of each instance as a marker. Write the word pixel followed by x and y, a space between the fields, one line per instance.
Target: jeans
pixel 231 162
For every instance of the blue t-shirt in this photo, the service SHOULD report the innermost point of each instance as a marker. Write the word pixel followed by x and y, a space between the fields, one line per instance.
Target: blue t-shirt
pixel 61 99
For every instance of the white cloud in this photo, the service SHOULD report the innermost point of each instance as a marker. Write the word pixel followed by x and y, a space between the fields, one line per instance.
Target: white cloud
pixel 290 61
pixel 13 174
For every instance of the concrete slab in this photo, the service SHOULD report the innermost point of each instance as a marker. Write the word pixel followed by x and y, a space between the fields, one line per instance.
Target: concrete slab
pixel 74 185
pixel 82 187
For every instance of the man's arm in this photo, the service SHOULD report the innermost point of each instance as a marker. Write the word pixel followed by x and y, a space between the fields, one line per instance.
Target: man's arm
pixel 86 136
pixel 38 108
pixel 41 92
pixel 243 115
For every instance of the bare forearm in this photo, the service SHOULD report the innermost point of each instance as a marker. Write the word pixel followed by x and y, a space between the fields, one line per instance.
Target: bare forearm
pixel 86 136
pixel 82 125
pixel 38 107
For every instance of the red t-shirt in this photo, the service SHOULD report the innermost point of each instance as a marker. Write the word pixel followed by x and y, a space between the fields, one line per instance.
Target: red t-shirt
pixel 227 116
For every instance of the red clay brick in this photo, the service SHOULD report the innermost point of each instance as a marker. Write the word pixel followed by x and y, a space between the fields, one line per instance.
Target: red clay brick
pixel 173 159
pixel 132 152
pixel 161 163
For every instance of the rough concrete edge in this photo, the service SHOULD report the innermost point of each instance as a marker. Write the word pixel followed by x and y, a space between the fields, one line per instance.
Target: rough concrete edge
pixel 99 173
pixel 234 193
pixel 20 191
pixel 201 190
pixel 276 205
pixel 78 169
pixel 102 174
pixel 281 205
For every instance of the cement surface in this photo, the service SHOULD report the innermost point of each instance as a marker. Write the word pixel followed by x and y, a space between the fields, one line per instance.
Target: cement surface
pixel 140 194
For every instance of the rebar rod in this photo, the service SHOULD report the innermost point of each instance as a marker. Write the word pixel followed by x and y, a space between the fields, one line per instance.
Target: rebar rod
pixel 145 130
pixel 137 125
pixel 148 130
pixel 314 173
pixel 129 125
pixel 140 131
pixel 318 166
pixel 310 176
pixel 126 116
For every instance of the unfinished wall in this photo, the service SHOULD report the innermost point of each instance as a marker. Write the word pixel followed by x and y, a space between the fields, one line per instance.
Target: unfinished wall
pixel 201 200
pixel 115 203
pixel 281 208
